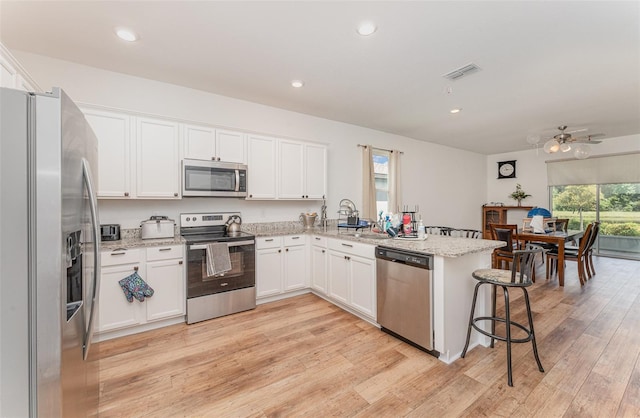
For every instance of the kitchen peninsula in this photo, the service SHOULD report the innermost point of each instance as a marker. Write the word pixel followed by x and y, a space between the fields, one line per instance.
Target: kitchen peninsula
pixel 454 260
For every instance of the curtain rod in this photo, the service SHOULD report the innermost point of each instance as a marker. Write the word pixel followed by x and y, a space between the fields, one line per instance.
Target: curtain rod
pixel 380 149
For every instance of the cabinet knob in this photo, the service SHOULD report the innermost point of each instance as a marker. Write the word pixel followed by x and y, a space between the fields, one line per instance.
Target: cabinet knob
pixel 213 158
pixel 322 251
pixel 250 195
pixel 180 262
pixel 126 194
pixel 279 251
pixel 303 196
pixel 175 194
pixel 136 268
pixel 218 158
pixel 287 250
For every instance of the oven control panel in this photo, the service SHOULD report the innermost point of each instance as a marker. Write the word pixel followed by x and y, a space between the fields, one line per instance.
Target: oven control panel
pixel 205 219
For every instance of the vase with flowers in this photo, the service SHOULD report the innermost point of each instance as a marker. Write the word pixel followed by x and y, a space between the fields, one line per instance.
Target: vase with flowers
pixel 519 194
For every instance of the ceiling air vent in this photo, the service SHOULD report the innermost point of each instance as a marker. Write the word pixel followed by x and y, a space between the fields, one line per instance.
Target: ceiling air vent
pixel 462 71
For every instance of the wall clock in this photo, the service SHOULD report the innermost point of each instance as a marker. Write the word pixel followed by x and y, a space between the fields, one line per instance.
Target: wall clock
pixel 507 169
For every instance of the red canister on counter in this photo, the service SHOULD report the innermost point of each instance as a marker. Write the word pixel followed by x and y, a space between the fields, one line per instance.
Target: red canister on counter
pixel 406 224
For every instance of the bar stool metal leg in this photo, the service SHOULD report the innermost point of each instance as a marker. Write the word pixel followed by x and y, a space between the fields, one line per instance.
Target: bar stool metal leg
pixel 533 334
pixel 507 322
pixel 473 309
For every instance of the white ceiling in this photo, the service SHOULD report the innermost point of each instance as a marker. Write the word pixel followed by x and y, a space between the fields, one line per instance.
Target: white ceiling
pixel 543 63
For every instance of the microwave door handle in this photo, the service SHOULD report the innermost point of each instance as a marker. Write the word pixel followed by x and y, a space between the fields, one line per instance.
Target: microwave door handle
pixel 237 180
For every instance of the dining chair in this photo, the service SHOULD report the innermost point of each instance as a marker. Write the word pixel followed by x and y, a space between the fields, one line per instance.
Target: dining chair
pixel 562 224
pixel 465 233
pixel 506 233
pixel 580 256
pixel 589 260
pixel 438 230
pixel 520 276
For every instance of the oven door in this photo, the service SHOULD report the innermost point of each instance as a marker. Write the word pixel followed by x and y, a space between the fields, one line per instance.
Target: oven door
pixel 212 178
pixel 241 275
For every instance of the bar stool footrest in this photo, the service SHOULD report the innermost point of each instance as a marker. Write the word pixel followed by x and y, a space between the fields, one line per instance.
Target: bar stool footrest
pixel 528 338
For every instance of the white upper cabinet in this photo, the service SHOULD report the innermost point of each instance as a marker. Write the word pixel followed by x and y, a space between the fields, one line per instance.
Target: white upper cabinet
pixel 207 143
pixel 291 170
pixel 113 131
pixel 302 170
pixel 231 146
pixel 157 159
pixel 315 171
pixel 199 142
pixel 261 167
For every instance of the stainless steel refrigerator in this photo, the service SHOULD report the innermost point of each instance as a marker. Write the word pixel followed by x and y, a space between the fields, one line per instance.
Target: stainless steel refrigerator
pixel 49 257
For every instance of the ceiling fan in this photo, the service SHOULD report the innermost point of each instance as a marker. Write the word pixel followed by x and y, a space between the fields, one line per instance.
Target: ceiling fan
pixel 565 141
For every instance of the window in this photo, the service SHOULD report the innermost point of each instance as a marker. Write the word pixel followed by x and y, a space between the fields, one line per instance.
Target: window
pixel 381 173
pixel 615 206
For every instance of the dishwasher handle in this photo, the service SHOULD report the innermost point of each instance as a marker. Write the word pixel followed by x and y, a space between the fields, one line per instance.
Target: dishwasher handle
pixel 410 258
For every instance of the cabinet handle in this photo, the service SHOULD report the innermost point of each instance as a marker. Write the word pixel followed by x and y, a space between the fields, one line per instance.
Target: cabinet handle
pixel 136 268
pixel 126 194
pixel 268 240
pixel 295 237
pixel 347 245
pixel 224 284
pixel 180 262
pixel 120 253
pixel 317 239
pixel 165 249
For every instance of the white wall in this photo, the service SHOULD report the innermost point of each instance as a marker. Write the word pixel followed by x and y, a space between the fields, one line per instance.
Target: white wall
pixel 448 184
pixel 531 171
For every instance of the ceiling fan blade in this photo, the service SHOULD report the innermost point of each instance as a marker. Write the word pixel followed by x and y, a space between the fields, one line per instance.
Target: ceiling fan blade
pixel 577 130
pixel 586 141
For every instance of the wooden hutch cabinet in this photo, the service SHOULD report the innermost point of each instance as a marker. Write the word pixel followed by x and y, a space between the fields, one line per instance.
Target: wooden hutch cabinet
pixel 497 215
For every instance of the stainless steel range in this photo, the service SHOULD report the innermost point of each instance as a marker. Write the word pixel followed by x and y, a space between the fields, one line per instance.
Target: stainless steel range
pixel 220 294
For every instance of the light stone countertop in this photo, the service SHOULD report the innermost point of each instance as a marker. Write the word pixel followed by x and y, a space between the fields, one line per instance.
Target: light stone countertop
pixel 434 244
pixel 130 239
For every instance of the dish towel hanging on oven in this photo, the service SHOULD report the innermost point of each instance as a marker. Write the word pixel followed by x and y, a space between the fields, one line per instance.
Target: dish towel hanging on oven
pixel 218 260
pixel 134 287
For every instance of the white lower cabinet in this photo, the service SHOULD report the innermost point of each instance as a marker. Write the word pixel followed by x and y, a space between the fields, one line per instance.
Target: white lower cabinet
pixel 319 262
pixel 281 265
pixel 166 276
pixel 162 268
pixel 352 275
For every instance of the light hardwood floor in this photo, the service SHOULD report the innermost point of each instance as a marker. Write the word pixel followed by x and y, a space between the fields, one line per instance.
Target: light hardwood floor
pixel 305 357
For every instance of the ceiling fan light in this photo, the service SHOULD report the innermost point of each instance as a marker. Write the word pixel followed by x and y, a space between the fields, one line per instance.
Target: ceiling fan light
pixel 582 151
pixel 564 147
pixel 551 146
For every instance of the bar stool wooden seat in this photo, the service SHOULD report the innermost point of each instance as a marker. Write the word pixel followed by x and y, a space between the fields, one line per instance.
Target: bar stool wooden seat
pixel 520 276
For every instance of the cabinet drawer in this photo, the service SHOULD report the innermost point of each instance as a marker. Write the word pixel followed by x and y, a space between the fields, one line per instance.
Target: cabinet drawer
pixel 319 241
pixel 116 257
pixel 164 252
pixel 353 248
pixel 268 242
pixel 291 240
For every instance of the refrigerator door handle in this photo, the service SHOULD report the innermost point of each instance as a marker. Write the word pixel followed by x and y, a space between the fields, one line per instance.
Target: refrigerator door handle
pixel 93 207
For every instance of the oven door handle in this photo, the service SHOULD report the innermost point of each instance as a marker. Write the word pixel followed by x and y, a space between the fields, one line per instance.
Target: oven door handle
pixel 230 244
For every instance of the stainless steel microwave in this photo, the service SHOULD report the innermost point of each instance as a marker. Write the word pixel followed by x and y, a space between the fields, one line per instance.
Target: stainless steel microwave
pixel 213 178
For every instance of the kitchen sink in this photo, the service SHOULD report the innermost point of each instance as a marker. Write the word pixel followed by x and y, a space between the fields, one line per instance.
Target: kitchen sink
pixel 368 235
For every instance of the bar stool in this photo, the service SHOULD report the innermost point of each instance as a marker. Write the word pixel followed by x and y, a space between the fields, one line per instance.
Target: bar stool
pixel 520 275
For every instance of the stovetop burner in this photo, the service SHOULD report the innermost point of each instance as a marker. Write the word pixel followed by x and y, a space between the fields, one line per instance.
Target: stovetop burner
pixel 209 227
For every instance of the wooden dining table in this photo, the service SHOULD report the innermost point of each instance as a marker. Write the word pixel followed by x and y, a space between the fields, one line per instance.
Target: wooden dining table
pixel 556 237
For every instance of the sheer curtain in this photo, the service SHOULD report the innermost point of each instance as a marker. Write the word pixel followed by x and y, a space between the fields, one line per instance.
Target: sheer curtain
pixel 368 185
pixel 395 192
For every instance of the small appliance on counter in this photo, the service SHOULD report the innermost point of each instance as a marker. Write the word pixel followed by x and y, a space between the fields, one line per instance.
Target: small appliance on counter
pixel 157 227
pixel 233 224
pixel 109 232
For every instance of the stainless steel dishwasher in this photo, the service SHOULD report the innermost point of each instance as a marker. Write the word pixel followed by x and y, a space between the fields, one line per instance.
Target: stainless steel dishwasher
pixel 405 295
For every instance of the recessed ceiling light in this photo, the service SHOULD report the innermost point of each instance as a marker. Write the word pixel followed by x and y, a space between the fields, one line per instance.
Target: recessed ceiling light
pixel 297 83
pixel 366 28
pixel 456 110
pixel 126 34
